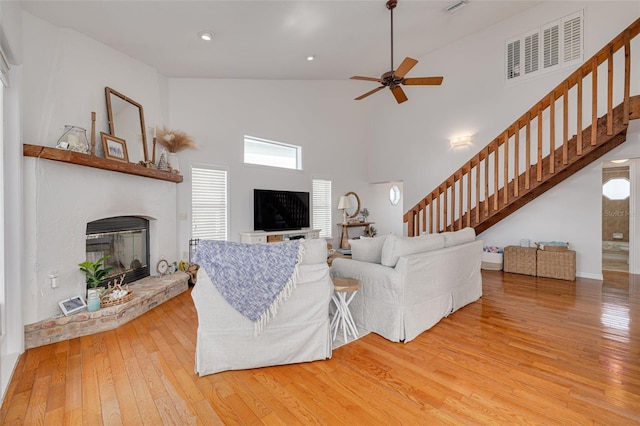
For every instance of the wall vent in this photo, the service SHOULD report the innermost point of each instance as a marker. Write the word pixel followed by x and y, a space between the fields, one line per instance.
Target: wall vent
pixel 454 7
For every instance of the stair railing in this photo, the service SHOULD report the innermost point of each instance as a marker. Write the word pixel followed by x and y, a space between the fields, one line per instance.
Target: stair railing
pixel 483 186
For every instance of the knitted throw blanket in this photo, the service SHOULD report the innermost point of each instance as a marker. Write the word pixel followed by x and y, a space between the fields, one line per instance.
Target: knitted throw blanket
pixel 254 278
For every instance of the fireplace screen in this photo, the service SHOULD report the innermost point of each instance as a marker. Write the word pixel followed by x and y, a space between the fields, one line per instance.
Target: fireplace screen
pixel 125 240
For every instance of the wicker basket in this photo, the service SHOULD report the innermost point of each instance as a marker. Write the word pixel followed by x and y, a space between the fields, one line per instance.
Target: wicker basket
pixel 520 260
pixel 557 264
pixel 105 301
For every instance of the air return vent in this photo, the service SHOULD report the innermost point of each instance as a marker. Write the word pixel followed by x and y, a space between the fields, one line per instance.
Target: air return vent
pixel 454 7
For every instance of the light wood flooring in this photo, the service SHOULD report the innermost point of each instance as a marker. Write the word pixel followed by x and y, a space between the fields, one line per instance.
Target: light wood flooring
pixel 530 351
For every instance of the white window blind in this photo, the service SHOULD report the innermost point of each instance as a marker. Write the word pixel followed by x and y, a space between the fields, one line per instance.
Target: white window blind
pixel 513 59
pixel 572 38
pixel 322 207
pixel 209 212
pixel 531 49
pixel 551 42
pixel 547 48
pixel 270 153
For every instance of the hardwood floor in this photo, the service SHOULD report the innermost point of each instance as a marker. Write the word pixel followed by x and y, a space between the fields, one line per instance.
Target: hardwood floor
pixel 531 350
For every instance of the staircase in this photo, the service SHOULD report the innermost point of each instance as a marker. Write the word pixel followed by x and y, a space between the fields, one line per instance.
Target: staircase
pixel 535 153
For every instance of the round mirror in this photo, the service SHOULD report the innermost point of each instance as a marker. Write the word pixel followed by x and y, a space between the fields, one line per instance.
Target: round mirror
pixel 394 195
pixel 354 211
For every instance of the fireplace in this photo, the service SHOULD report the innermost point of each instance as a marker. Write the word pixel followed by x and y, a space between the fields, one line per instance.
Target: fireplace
pixel 125 239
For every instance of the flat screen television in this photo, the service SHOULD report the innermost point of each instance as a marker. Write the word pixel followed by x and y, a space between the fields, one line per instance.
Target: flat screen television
pixel 280 210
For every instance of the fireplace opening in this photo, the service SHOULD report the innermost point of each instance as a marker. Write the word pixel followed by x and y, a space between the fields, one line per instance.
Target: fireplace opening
pixel 125 239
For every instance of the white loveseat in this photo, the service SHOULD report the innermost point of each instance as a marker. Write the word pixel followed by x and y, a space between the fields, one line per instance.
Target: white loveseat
pixel 410 283
pixel 299 332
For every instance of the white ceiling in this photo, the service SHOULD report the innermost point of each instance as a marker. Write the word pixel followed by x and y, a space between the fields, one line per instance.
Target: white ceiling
pixel 271 39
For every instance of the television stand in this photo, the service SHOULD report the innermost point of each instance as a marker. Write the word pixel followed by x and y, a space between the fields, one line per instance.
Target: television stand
pixel 262 237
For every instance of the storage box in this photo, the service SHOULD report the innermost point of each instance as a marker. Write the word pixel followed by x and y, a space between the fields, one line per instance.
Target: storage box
pixel 557 264
pixel 520 260
pixel 492 261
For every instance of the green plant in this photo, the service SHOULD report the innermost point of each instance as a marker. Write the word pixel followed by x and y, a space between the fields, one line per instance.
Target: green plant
pixel 95 272
pixel 372 232
pixel 365 213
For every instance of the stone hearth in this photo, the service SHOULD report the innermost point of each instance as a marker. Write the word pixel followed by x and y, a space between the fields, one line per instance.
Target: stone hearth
pixel 148 293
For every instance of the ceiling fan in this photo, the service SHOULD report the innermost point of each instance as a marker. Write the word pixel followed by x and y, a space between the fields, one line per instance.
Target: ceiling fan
pixel 395 78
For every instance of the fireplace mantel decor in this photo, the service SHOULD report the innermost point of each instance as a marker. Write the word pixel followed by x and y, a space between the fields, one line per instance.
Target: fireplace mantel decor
pixel 97 162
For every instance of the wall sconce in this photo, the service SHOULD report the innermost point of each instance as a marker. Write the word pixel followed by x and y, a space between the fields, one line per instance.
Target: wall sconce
pixel 460 141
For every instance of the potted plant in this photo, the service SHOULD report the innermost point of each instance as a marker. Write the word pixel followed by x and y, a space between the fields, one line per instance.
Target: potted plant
pixel 365 214
pixel 95 271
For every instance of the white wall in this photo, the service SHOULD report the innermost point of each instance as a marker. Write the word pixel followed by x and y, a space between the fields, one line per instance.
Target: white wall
pixel 474 99
pixel 387 217
pixel 12 338
pixel 65 74
pixel 313 114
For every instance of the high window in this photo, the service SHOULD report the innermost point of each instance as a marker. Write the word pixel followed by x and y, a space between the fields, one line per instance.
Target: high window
pixel 552 46
pixel 209 206
pixel 271 153
pixel 322 207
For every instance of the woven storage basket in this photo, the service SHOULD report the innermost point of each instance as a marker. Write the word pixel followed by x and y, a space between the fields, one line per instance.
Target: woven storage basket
pixel 557 264
pixel 520 260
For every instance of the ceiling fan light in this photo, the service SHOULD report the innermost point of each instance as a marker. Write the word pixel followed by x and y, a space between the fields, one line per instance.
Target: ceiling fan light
pixel 454 7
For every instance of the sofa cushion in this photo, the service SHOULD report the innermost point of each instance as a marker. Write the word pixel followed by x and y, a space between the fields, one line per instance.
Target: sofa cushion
pixel 395 247
pixel 367 249
pixel 462 236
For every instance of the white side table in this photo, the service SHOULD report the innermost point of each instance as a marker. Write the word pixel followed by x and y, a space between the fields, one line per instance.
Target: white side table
pixel 345 290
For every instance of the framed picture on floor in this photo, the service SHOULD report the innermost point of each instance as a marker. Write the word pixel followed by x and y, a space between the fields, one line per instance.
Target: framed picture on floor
pixel 72 305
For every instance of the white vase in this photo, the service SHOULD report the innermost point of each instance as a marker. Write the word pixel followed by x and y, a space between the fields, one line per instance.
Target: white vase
pixel 172 159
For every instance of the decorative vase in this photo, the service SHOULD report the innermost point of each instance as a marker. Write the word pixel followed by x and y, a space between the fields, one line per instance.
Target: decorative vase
pixel 74 139
pixel 172 159
pixel 93 300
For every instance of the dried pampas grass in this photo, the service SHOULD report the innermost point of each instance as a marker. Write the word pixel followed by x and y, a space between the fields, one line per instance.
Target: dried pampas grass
pixel 175 140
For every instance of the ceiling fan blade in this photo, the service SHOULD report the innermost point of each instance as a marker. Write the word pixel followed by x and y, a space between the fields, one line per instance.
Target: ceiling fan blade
pixel 423 81
pixel 405 67
pixel 398 93
pixel 370 92
pixel 358 77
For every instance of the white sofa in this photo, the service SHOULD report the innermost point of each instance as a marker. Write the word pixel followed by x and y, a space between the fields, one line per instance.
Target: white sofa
pixel 299 332
pixel 410 283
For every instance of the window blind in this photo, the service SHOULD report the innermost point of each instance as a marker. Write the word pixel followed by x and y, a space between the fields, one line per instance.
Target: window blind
pixel 322 207
pixel 209 210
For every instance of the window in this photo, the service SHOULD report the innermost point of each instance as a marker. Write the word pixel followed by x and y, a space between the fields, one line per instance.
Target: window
pixel 553 46
pixel 209 217
pixel 322 207
pixel 270 153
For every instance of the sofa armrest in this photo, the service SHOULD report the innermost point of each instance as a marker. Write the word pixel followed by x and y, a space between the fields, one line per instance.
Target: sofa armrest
pixel 432 273
pixel 377 280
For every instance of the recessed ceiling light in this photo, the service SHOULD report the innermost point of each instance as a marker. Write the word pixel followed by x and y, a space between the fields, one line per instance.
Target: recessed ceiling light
pixel 205 35
pixel 310 58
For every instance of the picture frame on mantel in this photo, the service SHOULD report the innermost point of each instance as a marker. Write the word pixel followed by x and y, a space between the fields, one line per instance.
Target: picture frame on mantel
pixel 114 147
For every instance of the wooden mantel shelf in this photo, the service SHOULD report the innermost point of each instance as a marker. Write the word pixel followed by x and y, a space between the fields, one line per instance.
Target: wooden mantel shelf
pixel 97 162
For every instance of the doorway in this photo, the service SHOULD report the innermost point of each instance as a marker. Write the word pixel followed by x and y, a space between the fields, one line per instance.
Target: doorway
pixel 616 192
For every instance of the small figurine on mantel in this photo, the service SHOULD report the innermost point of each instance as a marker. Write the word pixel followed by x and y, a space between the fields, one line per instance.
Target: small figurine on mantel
pixel 162 163
pixel 174 141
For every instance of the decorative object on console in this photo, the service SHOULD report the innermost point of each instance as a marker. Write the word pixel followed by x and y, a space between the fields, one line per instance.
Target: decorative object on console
pixel 116 294
pixel 95 271
pixel 343 204
pixel 162 267
pixel 365 214
pixel 114 148
pixel 74 138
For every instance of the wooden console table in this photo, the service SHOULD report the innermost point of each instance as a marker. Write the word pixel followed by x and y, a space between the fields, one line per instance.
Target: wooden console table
pixel 344 235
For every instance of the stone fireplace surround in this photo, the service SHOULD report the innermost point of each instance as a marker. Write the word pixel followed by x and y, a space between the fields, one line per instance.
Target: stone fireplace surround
pixel 59 200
